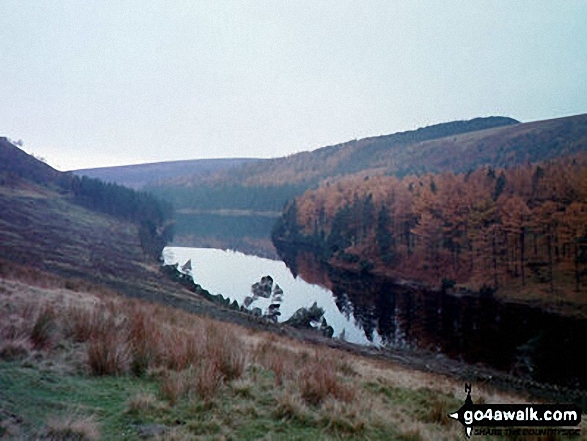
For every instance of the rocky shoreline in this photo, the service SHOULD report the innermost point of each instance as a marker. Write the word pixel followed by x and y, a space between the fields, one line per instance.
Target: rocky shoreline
pixel 426 361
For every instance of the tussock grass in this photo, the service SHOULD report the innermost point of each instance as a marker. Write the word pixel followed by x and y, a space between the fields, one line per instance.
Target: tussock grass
pixel 278 359
pixel 203 379
pixel 107 348
pixel 173 386
pixel 207 380
pixel 292 407
pixel 144 403
pixel 318 380
pixel 15 349
pixel 44 328
pixel 72 428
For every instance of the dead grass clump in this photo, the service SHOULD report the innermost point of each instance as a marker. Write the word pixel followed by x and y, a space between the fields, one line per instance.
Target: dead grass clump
pixel 145 340
pixel 411 435
pixel 72 427
pixel 291 407
pixel 226 352
pixel 12 350
pixel 282 362
pixel 318 380
pixel 107 355
pixel 142 403
pixel 107 349
pixel 173 386
pixel 341 418
pixel 243 388
pixel 45 328
pixel 346 368
pixel 207 380
pixel 434 409
pixel 181 349
pixel 80 323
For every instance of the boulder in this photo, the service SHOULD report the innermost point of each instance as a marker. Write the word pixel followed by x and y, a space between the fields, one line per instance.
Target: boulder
pixel 187 267
pixel 263 288
pixel 306 318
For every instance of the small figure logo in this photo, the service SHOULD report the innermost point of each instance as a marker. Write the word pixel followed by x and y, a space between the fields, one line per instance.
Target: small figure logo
pixel 460 414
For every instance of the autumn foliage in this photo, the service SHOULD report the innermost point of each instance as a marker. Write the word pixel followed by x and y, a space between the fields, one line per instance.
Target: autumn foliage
pixel 483 229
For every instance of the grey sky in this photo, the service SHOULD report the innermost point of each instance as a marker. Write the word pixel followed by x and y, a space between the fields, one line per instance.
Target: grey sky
pixel 96 83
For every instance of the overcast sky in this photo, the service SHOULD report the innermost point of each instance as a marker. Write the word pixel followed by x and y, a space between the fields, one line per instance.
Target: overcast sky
pixel 110 82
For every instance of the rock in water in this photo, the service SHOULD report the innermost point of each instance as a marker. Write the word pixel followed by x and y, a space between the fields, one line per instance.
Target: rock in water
pixel 273 312
pixel 304 318
pixel 277 294
pixel 263 288
pixel 187 267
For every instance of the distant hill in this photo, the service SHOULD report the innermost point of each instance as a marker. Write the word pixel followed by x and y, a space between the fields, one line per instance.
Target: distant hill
pixel 399 153
pixel 140 175
pixel 39 208
pixel 458 146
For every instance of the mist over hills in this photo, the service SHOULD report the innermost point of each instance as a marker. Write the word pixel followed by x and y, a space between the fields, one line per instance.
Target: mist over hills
pixel 140 175
pixel 459 147
pixel 393 152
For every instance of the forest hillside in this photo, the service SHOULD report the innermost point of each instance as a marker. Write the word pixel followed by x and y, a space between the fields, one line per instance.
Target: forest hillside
pixel 519 231
pixel 458 146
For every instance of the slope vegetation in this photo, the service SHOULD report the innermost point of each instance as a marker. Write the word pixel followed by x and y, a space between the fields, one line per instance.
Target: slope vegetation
pixel 459 146
pixel 77 227
pixel 519 231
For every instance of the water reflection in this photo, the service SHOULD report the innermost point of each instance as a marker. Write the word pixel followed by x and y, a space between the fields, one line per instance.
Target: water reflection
pixel 232 275
pixel 247 233
pixel 514 338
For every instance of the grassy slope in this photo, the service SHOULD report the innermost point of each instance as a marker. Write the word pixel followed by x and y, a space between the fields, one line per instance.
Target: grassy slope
pixel 228 383
pixel 76 358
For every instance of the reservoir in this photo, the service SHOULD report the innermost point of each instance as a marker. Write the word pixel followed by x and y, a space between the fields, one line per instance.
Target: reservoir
pixel 524 341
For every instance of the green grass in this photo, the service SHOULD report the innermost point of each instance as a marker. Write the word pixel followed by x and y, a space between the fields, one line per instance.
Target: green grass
pixel 198 379
pixel 37 394
pixel 251 409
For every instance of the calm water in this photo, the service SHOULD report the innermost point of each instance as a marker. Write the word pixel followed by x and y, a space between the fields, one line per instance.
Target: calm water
pixel 513 338
pixel 232 273
pixel 250 233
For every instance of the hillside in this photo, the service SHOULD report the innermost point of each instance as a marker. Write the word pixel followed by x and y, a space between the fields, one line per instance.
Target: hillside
pixel 370 153
pixel 77 227
pixel 458 146
pixel 141 175
pixel 520 232
pixel 83 355
pixel 80 363
pixel 15 164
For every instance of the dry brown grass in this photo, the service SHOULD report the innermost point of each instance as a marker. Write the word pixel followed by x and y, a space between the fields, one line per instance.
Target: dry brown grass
pixel 142 403
pixel 318 380
pixel 44 329
pixel 15 349
pixel 226 352
pixel 276 357
pixel 207 363
pixel 108 348
pixel 173 386
pixel 291 406
pixel 207 380
pixel 72 427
